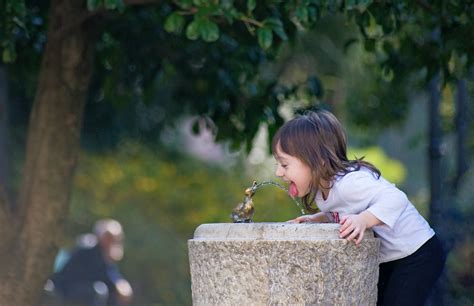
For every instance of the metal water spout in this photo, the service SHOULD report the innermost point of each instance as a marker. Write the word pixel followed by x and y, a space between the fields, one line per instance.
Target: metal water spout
pixel 244 211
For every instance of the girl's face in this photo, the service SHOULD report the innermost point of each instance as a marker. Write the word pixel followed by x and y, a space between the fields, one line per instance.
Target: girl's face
pixel 293 171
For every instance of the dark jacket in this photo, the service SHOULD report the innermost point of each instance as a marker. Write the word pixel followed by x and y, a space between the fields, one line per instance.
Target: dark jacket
pixel 85 267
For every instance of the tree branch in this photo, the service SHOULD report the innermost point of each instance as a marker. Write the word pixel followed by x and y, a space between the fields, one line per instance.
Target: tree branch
pixel 87 15
pixel 426 6
pixel 251 21
pixel 5 205
pixel 78 21
pixel 461 123
pixel 140 2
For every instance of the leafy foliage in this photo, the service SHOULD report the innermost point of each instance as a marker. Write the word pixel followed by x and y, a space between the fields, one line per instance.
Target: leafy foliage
pixel 210 64
pixel 394 32
pixel 392 170
pixel 411 41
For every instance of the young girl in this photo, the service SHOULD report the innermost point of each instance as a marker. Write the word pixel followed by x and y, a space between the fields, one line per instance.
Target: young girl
pixel 311 156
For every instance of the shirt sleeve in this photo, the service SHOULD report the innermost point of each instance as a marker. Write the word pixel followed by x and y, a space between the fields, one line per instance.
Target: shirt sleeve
pixel 329 216
pixel 364 191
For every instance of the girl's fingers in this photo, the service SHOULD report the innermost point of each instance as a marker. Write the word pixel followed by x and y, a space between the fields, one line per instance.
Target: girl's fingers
pixel 343 220
pixel 346 224
pixel 346 232
pixel 361 236
pixel 302 219
pixel 298 220
pixel 354 234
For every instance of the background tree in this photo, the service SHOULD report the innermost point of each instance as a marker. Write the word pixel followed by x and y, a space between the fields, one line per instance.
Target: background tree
pixel 430 46
pixel 119 48
pixel 68 46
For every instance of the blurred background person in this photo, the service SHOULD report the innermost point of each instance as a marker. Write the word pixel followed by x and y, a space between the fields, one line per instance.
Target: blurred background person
pixel 91 275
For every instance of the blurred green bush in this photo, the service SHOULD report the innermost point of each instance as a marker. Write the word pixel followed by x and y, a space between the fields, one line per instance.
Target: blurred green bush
pixel 160 198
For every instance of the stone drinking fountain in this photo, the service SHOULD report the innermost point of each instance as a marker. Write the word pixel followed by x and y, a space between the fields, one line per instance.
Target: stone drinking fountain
pixel 246 263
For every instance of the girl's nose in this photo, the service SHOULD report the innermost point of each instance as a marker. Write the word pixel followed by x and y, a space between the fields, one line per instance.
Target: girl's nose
pixel 278 171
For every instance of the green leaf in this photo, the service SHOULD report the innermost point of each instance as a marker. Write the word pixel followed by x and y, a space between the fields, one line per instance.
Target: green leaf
pixel 230 14
pixel 350 4
pixel 265 37
pixel 369 44
pixel 93 4
pixel 120 6
pixel 192 30
pixel 315 86
pixel 277 26
pixel 251 4
pixel 312 13
pixel 8 55
pixel 111 4
pixel 201 2
pixel 227 4
pixel 209 10
pixel 174 23
pixel 302 14
pixel 16 8
pixel 209 31
pixel 273 22
pixel 360 5
pixel 281 33
pixel 184 4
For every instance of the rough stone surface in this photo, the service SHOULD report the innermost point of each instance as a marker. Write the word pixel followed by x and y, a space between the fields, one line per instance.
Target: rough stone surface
pixel 281 264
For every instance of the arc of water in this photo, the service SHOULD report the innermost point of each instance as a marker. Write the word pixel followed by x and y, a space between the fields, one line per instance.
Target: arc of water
pixel 264 183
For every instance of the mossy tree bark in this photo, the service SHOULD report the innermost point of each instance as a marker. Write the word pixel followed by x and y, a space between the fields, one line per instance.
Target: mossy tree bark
pixel 30 231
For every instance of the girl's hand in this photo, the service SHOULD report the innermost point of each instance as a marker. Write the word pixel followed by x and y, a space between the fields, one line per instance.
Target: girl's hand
pixel 352 227
pixel 302 219
pixel 317 217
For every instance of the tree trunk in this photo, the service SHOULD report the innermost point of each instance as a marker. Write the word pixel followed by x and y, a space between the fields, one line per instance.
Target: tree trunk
pixel 4 152
pixel 30 235
pixel 5 191
pixel 461 124
pixel 435 136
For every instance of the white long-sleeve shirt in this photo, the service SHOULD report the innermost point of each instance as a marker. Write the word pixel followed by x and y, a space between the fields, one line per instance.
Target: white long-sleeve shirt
pixel 404 229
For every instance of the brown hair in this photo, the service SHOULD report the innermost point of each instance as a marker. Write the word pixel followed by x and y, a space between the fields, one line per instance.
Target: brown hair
pixel 318 140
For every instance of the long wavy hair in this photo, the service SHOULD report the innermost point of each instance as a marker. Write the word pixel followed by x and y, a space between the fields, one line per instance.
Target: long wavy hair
pixel 318 140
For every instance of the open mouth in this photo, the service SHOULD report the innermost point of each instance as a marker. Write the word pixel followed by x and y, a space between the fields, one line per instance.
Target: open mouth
pixel 292 190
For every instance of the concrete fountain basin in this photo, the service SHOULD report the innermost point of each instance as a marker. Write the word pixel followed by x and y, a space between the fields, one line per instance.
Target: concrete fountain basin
pixel 281 263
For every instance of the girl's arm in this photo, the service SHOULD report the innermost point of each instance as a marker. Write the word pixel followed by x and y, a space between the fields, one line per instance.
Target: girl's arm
pixel 319 217
pixel 354 226
pixel 373 201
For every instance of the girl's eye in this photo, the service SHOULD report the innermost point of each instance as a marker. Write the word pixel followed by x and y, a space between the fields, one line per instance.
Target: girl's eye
pixel 284 166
